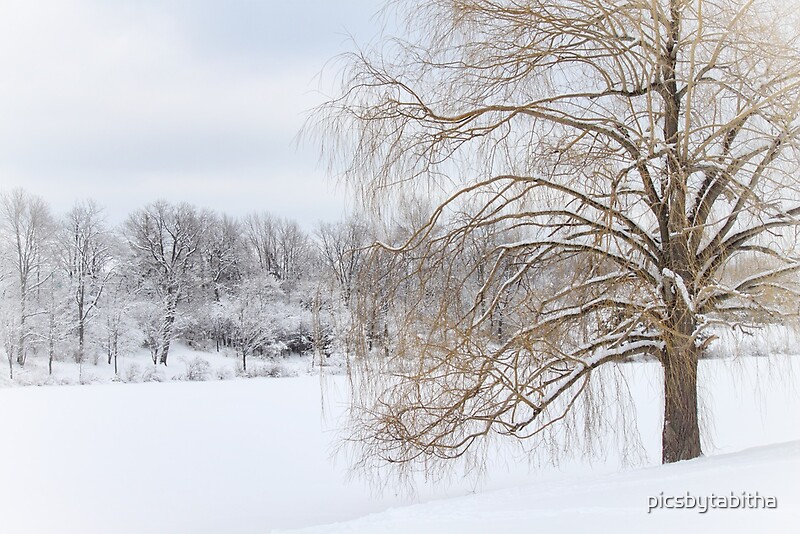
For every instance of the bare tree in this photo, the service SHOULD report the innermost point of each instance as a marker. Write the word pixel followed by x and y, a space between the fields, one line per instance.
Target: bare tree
pixel 636 151
pixel 222 253
pixel 115 319
pixel 164 239
pixel 59 320
pixel 261 234
pixel 27 226
pixel 293 249
pixel 223 266
pixel 279 246
pixel 252 316
pixel 342 248
pixel 85 254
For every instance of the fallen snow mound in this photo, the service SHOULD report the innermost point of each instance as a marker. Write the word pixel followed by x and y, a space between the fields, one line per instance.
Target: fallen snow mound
pixel 721 488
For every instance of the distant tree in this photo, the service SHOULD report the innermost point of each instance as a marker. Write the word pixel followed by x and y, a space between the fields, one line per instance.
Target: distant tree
pixel 223 264
pixel 26 230
pixel 8 332
pixel 58 321
pixel 293 253
pixel 116 317
pixel 84 247
pixel 253 315
pixel 222 253
pixel 639 151
pixel 278 246
pixel 147 315
pixel 165 239
pixel 261 235
pixel 342 248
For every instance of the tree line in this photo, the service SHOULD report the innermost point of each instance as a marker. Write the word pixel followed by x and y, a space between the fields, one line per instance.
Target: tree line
pixel 74 287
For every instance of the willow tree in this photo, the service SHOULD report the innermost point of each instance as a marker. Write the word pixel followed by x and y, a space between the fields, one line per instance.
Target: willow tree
pixel 634 166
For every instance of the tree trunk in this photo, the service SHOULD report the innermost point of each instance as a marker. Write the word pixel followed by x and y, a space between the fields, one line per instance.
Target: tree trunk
pixel 52 345
pixel 166 326
pixel 21 340
pixel 115 348
pixel 166 338
pixel 81 345
pixel 680 438
pixel 81 325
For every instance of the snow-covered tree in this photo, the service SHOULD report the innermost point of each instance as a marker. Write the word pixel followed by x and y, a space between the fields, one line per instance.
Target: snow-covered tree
pixel 117 331
pixel 253 316
pixel 84 249
pixel 222 254
pixel 165 239
pixel 278 246
pixel 26 232
pixel 56 323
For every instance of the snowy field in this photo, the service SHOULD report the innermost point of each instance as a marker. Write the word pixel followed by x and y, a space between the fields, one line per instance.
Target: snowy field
pixel 247 456
pixel 615 503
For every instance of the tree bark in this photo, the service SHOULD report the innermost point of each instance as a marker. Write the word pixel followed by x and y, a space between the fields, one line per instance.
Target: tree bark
pixel 680 439
pixel 51 344
pixel 81 325
pixel 166 326
pixel 115 351
pixel 166 338
pixel 22 316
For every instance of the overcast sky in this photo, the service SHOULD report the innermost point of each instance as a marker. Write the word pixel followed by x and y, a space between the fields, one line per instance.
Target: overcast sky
pixel 128 101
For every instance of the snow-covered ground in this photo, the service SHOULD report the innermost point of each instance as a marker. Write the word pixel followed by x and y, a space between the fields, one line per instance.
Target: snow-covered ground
pixel 185 364
pixel 247 456
pixel 625 502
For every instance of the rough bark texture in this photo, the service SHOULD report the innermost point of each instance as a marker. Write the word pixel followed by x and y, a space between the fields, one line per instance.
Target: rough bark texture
pixel 681 431
pixel 166 337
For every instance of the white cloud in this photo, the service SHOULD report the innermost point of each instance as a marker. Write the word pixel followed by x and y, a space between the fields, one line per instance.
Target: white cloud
pixel 130 101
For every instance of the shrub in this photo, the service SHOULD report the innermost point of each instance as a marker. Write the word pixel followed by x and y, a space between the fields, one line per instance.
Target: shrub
pixel 133 373
pixel 224 373
pixel 198 369
pixel 150 374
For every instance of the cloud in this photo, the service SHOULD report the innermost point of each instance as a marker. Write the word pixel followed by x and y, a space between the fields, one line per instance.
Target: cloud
pixel 172 99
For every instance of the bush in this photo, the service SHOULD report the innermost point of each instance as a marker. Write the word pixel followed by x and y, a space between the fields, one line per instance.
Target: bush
pixel 86 378
pixel 224 373
pixel 198 369
pixel 270 370
pixel 133 373
pixel 150 374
